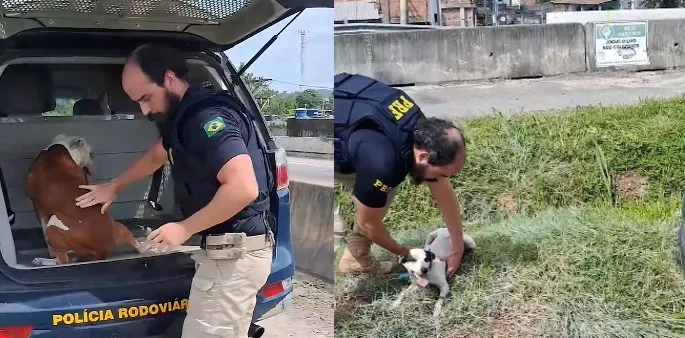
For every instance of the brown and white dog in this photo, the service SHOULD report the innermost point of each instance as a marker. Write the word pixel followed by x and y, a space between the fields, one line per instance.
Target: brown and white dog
pixel 53 185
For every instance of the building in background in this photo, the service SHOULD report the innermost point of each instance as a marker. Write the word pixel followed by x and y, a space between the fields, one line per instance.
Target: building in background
pixel 359 11
pixel 584 5
pixel 453 13
pixel 458 13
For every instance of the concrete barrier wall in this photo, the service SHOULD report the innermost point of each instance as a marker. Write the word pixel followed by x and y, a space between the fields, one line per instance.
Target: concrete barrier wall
pixel 310 127
pixel 312 228
pixel 482 53
pixel 278 131
pixel 317 147
pixel 463 54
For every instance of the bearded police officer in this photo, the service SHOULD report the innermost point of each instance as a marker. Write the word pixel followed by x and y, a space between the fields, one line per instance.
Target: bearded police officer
pixel 221 181
pixel 381 136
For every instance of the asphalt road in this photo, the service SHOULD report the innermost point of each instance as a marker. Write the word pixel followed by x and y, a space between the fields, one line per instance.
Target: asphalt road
pixel 310 170
pixel 513 96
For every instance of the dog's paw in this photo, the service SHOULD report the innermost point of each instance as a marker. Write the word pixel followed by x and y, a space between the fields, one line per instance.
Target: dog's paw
pixel 436 312
pixel 469 243
pixel 143 247
pixel 44 261
pixel 438 308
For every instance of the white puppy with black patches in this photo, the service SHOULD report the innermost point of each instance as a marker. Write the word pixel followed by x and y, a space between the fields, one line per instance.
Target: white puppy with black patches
pixel 426 267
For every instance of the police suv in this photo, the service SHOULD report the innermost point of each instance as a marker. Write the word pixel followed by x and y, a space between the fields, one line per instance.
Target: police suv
pixel 60 72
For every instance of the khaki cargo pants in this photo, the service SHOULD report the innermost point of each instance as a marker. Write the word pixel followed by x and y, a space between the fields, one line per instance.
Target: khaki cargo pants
pixel 223 292
pixel 347 181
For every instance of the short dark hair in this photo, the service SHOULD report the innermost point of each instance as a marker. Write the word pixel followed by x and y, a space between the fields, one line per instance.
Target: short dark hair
pixel 155 60
pixel 431 135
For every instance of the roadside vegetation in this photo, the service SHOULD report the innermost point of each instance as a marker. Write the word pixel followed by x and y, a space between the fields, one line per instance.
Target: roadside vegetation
pixel 575 216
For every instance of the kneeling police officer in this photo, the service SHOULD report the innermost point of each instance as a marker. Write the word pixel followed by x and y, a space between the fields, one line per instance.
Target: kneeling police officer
pixel 221 181
pixel 381 136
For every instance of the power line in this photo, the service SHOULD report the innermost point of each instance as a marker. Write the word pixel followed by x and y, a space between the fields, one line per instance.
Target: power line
pixel 300 84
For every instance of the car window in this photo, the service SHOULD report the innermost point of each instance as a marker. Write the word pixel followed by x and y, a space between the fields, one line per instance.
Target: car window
pixel 66 90
pixel 64 107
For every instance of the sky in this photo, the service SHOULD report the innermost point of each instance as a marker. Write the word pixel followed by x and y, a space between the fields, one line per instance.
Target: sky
pixel 281 61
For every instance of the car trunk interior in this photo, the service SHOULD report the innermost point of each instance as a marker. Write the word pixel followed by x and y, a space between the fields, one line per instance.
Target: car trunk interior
pixel 82 97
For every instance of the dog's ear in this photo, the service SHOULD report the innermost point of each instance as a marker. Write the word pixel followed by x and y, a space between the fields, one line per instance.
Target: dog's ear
pixel 430 256
pixel 77 143
pixel 405 258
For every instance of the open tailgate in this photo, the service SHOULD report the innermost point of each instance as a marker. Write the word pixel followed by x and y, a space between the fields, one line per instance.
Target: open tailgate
pixel 224 23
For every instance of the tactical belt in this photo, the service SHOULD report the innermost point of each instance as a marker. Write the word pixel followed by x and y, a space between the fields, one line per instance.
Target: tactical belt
pixel 233 245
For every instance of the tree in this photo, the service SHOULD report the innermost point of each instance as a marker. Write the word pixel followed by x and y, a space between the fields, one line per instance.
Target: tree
pixel 259 88
pixel 283 106
pixel 309 98
pixel 255 84
pixel 282 103
pixel 661 3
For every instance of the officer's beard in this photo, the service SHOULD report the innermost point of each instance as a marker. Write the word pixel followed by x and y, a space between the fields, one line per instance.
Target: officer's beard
pixel 418 172
pixel 172 103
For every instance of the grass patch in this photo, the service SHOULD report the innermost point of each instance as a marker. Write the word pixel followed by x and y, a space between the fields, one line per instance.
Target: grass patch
pixel 574 215
pixel 594 271
pixel 528 163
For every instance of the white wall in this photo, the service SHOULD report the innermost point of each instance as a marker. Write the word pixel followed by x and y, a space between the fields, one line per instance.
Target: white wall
pixel 616 15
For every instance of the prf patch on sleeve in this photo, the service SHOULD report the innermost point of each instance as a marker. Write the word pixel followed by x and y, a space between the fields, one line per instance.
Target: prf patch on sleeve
pixel 381 186
pixel 213 126
pixel 400 107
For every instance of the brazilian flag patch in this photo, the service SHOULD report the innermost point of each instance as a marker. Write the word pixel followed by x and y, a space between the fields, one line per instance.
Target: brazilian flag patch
pixel 214 126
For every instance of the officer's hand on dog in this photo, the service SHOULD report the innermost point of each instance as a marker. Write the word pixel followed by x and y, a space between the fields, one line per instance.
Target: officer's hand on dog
pixel 104 194
pixel 168 237
pixel 453 262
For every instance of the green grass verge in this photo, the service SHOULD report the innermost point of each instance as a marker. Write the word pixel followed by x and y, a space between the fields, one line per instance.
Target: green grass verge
pixel 575 272
pixel 573 214
pixel 526 164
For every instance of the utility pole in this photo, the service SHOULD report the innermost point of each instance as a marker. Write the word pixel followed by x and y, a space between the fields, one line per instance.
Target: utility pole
pixel 403 12
pixel 303 47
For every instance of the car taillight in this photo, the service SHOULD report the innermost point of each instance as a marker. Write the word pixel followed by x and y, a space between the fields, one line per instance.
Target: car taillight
pixel 277 288
pixel 282 179
pixel 15 332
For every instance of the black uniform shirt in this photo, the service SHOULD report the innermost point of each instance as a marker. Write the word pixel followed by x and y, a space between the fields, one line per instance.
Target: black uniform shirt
pixel 217 136
pixel 377 167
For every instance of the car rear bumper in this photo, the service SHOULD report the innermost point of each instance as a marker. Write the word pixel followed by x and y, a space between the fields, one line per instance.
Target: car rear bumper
pixel 171 325
pixel 278 307
pixel 167 326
